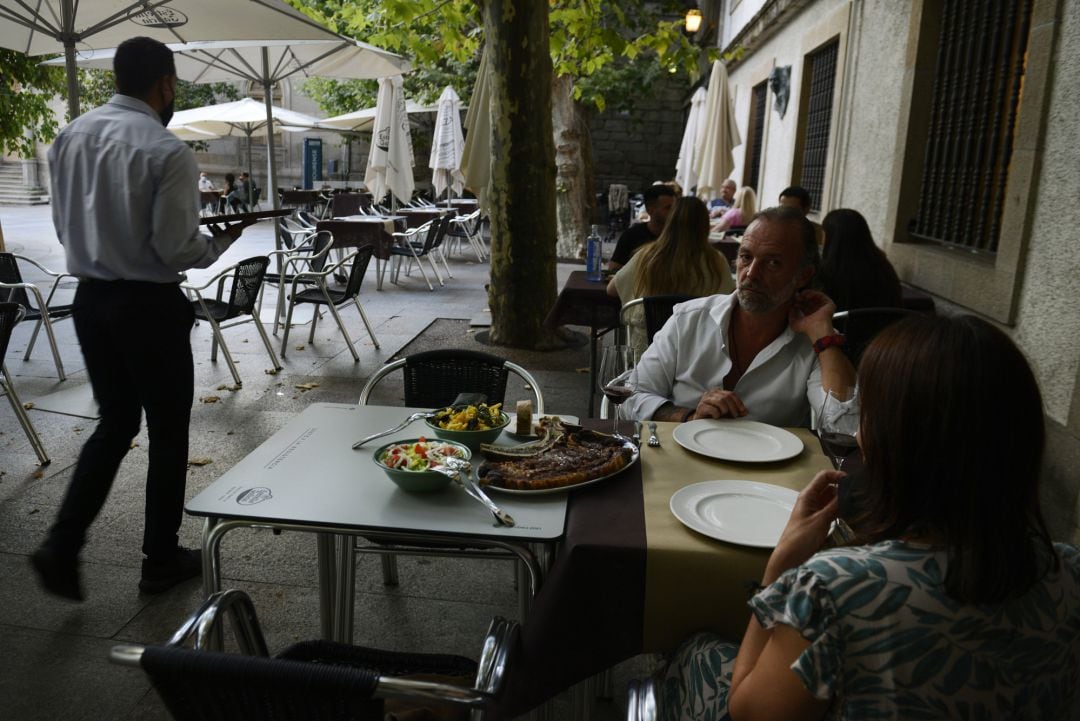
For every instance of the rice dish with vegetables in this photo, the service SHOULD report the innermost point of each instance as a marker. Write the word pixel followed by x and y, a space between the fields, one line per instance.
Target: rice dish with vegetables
pixel 419 455
pixel 480 417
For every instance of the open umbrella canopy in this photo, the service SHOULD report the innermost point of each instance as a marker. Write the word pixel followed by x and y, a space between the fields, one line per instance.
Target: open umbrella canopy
pixel 242 117
pixel 684 170
pixel 448 145
pixel 714 161
pixel 66 26
pixel 391 159
pixel 361 121
pixel 191 134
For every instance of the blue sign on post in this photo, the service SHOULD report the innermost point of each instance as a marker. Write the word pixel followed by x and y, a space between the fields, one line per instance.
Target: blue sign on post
pixel 312 161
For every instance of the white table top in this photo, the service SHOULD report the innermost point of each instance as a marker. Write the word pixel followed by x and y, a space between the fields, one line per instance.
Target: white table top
pixel 307 473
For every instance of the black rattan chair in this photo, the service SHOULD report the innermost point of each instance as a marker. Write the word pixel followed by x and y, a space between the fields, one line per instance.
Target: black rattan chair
pixel 322 294
pixel 311 680
pixel 244 289
pixel 10 315
pixel 14 289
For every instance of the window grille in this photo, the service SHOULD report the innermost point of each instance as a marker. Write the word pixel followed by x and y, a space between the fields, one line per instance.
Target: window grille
pixel 978 77
pixel 821 66
pixel 752 171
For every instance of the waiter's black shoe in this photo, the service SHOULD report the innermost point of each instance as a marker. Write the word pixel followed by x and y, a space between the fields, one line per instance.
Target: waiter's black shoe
pixel 58 574
pixel 158 577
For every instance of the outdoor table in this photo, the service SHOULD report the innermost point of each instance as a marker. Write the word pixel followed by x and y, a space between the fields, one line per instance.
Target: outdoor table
pixel 306 477
pixel 586 302
pixel 342 204
pixel 629 578
pixel 463 205
pixel 308 198
pixel 357 230
pixel 415 217
pixel 209 200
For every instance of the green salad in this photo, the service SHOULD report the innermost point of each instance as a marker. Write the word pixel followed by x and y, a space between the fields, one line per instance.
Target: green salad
pixel 419 455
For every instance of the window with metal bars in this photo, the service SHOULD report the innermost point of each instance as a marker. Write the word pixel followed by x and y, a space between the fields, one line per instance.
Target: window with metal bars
pixel 978 76
pixel 752 168
pixel 821 68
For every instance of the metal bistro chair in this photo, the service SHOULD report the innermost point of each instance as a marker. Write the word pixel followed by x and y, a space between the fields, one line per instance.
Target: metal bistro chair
pixel 434 379
pixel 10 315
pixel 332 298
pixel 310 680
pixel 861 325
pixel 407 246
pixel 247 279
pixel 312 255
pixel 467 227
pixel 14 289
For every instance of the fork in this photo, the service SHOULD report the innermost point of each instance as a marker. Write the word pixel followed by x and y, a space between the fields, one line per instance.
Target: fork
pixel 654 442
pixel 462 471
pixel 395 429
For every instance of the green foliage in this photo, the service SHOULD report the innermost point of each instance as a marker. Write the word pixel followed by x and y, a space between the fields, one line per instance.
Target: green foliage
pixel 25 91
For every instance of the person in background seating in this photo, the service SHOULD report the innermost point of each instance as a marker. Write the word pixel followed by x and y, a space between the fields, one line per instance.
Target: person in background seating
pixel 798 197
pixel 740 212
pixel 205 184
pixel 856 273
pixel 719 206
pixel 659 200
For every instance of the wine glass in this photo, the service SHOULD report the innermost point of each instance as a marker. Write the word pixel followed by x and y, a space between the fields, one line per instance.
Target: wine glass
pixel 838 423
pixel 614 378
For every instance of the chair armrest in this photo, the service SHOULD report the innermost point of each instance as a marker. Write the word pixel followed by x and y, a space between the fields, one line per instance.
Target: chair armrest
pixel 218 277
pixel 42 268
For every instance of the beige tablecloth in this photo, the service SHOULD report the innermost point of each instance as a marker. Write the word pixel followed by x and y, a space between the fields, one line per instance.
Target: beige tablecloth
pixel 692 582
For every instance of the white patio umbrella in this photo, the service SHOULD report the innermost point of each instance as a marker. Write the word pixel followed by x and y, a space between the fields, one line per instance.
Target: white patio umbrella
pixel 476 155
pixel 684 170
pixel 447 146
pixel 714 161
pixel 42 27
pixel 245 117
pixel 266 62
pixel 390 162
pixel 185 133
pixel 361 121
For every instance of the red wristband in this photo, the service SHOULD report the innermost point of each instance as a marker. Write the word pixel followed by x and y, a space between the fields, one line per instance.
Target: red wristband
pixel 829 341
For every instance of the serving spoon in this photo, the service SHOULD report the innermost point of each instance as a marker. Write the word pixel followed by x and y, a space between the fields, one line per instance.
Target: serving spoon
pixel 460 471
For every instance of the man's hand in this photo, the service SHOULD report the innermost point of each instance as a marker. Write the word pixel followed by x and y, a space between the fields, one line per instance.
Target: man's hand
pixel 719 403
pixel 233 230
pixel 811 314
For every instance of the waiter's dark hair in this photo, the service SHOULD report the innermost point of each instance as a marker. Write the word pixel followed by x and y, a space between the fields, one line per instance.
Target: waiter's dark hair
pixel 139 63
pixel 945 461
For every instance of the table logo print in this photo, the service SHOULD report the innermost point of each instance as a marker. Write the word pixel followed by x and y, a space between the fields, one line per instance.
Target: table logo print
pixel 254 495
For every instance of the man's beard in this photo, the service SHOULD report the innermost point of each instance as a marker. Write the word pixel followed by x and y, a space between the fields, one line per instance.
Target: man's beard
pixel 761 301
pixel 167 112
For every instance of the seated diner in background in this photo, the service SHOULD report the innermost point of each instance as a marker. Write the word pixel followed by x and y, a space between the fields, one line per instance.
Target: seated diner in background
pixel 228 201
pixel 681 261
pixel 659 200
pixel 856 273
pixel 952 602
pixel 798 197
pixel 719 206
pixel 740 212
pixel 767 352
pixel 205 184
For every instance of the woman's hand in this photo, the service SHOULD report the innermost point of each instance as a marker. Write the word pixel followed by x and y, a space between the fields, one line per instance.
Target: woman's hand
pixel 808 527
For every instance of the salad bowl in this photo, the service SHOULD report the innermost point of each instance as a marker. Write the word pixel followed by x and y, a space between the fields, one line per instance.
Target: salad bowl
pixel 409 463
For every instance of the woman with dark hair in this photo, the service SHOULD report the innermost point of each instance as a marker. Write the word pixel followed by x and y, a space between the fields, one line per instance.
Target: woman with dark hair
pixel 855 273
pixel 227 193
pixel 956 605
pixel 681 261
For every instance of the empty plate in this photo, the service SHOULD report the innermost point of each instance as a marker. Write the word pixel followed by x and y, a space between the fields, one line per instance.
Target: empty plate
pixel 737 440
pixel 744 512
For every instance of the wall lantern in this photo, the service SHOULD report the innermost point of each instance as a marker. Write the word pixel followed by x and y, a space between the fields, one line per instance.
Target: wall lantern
pixel 693 20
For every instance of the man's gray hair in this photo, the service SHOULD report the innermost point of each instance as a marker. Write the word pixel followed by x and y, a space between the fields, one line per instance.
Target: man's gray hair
pixel 786 214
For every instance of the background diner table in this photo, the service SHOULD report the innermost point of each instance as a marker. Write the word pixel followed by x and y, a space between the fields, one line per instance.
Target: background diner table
pixel 585 302
pixel 375 230
pixel 415 217
pixel 630 578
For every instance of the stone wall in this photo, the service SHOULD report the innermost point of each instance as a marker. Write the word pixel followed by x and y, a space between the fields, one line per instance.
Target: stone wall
pixel 640 146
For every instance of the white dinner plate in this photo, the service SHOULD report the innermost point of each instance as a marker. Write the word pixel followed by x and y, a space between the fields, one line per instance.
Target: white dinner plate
pixel 729 439
pixel 743 512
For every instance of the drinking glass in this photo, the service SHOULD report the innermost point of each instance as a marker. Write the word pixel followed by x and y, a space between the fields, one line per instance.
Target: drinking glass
pixel 614 378
pixel 838 423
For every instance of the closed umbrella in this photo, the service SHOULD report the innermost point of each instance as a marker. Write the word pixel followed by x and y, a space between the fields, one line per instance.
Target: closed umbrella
pixel 41 27
pixel 447 146
pixel 684 170
pixel 476 156
pixel 266 62
pixel 390 162
pixel 721 136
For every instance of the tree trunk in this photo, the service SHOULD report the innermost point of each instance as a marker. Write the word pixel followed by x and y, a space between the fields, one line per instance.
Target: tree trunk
pixel 2 248
pixel 575 196
pixel 521 191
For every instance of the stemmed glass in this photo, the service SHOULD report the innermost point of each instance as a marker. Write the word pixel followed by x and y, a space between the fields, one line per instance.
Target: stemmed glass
pixel 838 423
pixel 616 368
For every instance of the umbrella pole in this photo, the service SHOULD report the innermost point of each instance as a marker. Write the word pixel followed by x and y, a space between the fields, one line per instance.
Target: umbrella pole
pixel 272 163
pixel 251 174
pixel 68 15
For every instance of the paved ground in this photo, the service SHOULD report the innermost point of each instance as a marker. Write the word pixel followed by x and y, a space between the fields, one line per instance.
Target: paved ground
pixel 53 664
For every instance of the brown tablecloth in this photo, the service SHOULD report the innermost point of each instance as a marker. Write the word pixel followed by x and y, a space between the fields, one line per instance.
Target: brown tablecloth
pixel 342 204
pixel 630 578
pixel 415 217
pixel 363 230
pixel 584 302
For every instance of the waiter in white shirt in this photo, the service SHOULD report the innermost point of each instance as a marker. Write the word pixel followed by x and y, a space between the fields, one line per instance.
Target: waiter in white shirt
pixel 125 204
